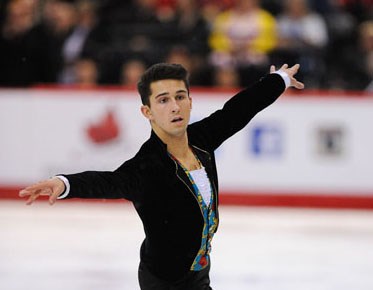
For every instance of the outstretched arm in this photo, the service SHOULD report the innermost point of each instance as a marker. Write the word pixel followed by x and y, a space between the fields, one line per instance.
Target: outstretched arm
pixel 242 107
pixel 121 183
pixel 52 187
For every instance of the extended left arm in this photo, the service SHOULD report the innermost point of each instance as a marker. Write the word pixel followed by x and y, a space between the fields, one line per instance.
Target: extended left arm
pixel 242 107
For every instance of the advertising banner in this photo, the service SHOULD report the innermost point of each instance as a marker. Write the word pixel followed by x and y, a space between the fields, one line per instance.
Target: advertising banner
pixel 299 145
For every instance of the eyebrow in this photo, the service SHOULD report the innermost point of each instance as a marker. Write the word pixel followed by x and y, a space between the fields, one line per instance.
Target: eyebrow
pixel 167 93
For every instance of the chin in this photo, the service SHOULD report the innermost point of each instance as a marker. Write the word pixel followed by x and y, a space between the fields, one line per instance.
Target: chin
pixel 178 132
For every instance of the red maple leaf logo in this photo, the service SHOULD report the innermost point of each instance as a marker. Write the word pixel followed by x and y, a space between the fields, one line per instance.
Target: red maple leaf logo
pixel 105 130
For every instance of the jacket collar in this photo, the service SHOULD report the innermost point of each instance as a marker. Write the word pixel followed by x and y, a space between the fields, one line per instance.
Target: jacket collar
pixel 203 155
pixel 154 137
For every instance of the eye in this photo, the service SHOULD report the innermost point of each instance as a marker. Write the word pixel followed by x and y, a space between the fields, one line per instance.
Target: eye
pixel 180 97
pixel 163 100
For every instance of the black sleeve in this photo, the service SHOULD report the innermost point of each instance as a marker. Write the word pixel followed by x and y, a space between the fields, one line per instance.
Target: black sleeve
pixel 237 112
pixel 121 183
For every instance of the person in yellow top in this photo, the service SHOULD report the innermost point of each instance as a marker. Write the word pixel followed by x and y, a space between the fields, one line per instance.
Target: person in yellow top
pixel 242 37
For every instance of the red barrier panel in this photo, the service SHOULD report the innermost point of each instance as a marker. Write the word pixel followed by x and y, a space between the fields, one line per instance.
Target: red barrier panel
pixel 257 199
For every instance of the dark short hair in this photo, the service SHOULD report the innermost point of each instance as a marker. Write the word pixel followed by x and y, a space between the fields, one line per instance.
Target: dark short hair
pixel 157 72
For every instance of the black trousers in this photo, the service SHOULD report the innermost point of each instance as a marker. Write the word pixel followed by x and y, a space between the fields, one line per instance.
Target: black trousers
pixel 194 280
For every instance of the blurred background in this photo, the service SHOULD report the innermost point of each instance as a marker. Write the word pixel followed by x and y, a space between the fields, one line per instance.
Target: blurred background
pixel 222 43
pixel 300 211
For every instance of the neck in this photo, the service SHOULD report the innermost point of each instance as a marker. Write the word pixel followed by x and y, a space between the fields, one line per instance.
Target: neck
pixel 178 146
pixel 179 150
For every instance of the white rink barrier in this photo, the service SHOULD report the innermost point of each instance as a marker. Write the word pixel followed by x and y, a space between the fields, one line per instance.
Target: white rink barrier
pixel 311 145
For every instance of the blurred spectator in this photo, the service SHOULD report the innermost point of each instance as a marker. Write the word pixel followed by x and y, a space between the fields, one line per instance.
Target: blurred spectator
pixel 59 18
pixel 302 38
pixel 344 49
pixel 86 73
pixel 273 6
pixel 242 37
pixel 138 31
pixel 132 11
pixel 362 10
pixel 341 26
pixel 226 77
pixel 199 74
pixel 24 45
pixel 127 30
pixel 83 15
pixel 211 8
pixel 180 54
pixel 358 58
pixel 323 7
pixel 366 39
pixel 131 72
pixel 192 30
pixel 188 43
pixel 366 45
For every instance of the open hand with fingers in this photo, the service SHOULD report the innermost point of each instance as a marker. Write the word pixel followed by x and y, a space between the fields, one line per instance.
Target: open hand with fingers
pixel 290 71
pixel 52 187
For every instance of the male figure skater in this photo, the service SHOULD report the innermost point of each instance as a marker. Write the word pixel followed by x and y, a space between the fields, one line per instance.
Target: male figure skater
pixel 172 180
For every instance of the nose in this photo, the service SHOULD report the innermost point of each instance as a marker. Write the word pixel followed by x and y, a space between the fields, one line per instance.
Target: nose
pixel 175 107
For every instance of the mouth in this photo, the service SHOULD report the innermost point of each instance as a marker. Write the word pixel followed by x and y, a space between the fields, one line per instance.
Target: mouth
pixel 176 120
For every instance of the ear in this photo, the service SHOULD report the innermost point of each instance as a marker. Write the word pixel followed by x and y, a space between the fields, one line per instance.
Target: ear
pixel 145 110
pixel 190 98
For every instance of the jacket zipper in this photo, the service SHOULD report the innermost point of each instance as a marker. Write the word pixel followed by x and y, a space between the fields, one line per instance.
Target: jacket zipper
pixel 176 167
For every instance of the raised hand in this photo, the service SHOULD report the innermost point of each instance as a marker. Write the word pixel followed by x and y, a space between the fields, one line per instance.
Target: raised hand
pixel 52 187
pixel 290 71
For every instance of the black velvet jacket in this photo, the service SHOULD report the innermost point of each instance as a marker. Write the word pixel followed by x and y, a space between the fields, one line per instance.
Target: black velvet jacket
pixel 160 190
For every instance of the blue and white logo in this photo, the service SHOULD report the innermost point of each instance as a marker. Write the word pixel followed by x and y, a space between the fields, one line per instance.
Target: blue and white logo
pixel 267 140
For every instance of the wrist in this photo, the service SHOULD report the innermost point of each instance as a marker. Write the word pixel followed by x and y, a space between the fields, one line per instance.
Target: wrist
pixel 285 77
pixel 66 183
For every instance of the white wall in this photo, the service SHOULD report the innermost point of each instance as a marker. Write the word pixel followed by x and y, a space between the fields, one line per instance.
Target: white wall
pixel 299 144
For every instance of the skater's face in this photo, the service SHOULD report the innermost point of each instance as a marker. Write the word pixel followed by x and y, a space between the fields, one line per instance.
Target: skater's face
pixel 169 109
